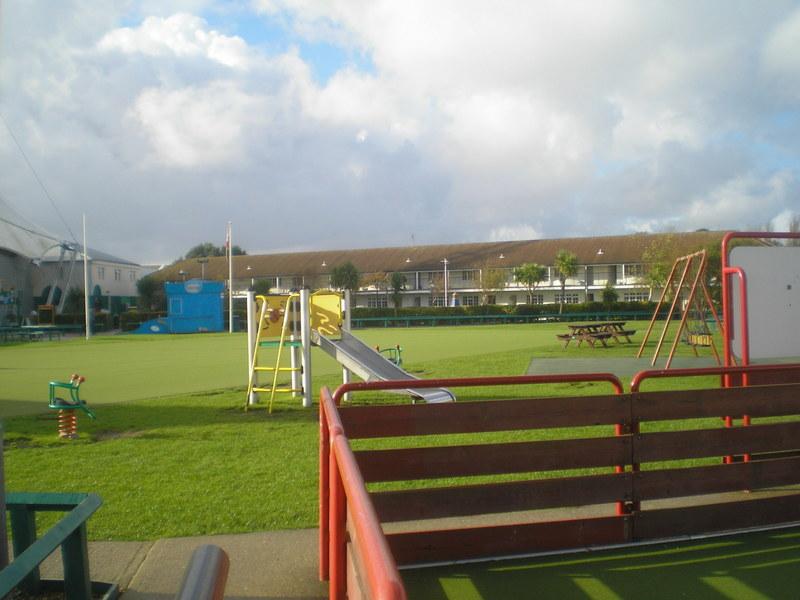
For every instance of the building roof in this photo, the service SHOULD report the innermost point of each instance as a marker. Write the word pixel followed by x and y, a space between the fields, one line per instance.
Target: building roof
pixel 615 250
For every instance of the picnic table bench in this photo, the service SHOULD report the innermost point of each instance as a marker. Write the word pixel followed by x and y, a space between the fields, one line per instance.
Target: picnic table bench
pixel 596 332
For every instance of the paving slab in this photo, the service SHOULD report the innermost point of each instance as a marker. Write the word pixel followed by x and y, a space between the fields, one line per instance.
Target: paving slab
pixel 109 562
pixel 271 565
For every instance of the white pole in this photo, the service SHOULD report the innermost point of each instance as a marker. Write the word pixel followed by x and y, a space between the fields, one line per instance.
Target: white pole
pixel 446 301
pixel 346 327
pixel 251 342
pixel 230 278
pixel 305 336
pixel 87 318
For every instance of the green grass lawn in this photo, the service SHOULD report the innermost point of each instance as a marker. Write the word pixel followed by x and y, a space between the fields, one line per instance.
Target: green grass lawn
pixel 172 453
pixel 756 566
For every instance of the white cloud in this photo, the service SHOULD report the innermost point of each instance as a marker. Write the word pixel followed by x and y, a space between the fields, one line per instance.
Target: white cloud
pixel 193 127
pixel 508 233
pixel 574 117
pixel 181 35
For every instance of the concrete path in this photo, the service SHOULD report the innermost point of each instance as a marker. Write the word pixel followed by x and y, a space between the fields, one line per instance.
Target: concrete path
pixel 271 565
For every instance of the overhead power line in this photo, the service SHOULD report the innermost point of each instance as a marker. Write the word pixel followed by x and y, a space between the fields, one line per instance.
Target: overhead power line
pixel 38 179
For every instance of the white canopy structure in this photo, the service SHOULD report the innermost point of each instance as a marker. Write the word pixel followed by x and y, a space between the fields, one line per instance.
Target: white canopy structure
pixel 20 236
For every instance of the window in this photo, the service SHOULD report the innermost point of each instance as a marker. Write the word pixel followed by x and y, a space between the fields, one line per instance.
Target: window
pixel 437 301
pixel 377 302
pixel 470 300
pixel 512 299
pixel 297 282
pixel 132 276
pixel 467 275
pixel 635 296
pixel 537 299
pixel 417 301
pixel 101 273
pixel 117 274
pixel 636 270
pixel 491 299
pixel 568 299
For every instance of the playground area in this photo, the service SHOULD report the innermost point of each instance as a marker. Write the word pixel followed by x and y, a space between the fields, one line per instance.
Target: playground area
pixel 162 434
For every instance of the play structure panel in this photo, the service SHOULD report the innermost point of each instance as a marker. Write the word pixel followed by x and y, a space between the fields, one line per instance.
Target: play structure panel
pixel 773 301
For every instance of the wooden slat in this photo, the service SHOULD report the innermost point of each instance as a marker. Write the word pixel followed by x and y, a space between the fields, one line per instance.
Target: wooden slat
pixel 472 417
pixel 760 401
pixel 675 483
pixel 710 518
pixel 768 378
pixel 491 459
pixel 432 503
pixel 506 540
pixel 674 445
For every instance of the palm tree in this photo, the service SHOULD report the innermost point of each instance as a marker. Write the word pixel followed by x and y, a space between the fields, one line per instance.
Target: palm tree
pixel 566 264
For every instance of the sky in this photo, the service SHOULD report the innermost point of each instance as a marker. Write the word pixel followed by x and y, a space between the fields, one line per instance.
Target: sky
pixel 329 124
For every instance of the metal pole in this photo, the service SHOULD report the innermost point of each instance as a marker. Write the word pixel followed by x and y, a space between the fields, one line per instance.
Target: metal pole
pixel 230 278
pixel 251 342
pixel 446 301
pixel 346 326
pixel 87 317
pixel 3 537
pixel 305 336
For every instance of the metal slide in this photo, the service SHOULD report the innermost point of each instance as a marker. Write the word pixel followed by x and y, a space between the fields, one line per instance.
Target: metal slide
pixel 368 364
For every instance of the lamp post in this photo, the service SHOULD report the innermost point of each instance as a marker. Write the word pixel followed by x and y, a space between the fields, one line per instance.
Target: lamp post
pixel 445 262
pixel 252 279
pixel 202 262
pixel 182 273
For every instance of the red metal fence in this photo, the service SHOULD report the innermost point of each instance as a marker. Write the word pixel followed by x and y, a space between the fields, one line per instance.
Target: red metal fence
pixel 583 471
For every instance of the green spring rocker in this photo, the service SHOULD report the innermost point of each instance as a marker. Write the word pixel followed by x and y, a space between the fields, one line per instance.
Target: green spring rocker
pixel 67 418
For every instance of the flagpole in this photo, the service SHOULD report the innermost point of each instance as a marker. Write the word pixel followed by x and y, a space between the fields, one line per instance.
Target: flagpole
pixel 86 282
pixel 230 278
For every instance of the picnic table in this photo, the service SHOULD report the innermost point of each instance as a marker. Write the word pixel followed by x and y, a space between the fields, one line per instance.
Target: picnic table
pixel 600 331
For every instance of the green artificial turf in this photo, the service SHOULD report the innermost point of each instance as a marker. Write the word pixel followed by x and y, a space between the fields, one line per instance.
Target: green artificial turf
pixel 755 566
pixel 172 453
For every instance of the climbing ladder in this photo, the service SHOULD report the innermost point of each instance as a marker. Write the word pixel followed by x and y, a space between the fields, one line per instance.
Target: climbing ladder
pixel 288 314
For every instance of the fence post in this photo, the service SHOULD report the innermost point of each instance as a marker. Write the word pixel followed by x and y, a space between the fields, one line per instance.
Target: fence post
pixel 3 536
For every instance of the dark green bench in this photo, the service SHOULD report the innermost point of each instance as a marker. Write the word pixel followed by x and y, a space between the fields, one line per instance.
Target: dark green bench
pixel 29 551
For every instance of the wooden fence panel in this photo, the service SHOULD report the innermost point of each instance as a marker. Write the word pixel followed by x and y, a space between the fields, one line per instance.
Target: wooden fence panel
pixel 762 401
pixel 711 518
pixel 492 459
pixel 476 417
pixel 464 500
pixel 507 540
pixel 678 445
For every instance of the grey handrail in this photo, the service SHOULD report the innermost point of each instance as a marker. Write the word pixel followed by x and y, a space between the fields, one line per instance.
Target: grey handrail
pixel 206 575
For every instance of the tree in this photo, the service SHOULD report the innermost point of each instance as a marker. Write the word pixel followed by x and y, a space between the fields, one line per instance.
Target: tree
pixel 530 275
pixel 345 277
pixel 658 259
pixel 74 303
pixel 151 293
pixel 492 280
pixel 262 287
pixel 398 283
pixel 208 249
pixel 566 264
pixel 610 295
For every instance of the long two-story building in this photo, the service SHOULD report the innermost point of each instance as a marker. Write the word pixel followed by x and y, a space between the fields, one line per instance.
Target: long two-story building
pixel 463 274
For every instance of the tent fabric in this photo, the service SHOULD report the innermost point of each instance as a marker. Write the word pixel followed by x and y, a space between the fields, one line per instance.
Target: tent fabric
pixel 20 236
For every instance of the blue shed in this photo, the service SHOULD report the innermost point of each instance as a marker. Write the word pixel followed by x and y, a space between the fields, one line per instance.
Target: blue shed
pixel 193 306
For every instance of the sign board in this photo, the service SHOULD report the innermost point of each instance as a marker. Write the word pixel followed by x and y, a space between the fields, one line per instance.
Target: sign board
pixel 326 313
pixel 273 317
pixel 773 300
